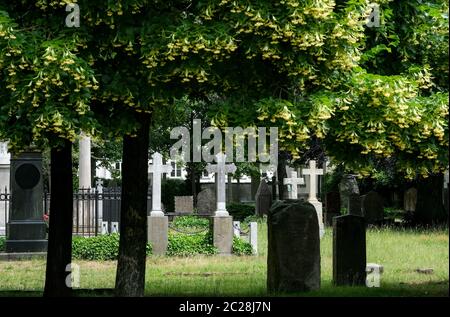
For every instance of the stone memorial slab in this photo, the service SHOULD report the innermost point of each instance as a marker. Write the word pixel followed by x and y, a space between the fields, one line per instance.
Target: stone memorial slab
pixel 27 229
pixel 372 208
pixel 349 250
pixel 332 206
pixel 410 200
pixel 293 262
pixel 354 205
pixel 206 202
pixel 347 186
pixel 184 204
pixel 263 199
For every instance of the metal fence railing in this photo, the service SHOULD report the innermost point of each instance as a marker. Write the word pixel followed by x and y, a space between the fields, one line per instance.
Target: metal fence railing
pixel 94 210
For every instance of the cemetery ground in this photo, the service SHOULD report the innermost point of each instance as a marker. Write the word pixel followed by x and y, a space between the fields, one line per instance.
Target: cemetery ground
pixel 406 254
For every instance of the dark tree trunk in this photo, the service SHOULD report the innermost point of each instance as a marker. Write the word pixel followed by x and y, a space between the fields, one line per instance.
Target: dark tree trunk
pixel 130 278
pixel 281 175
pixel 59 253
pixel 430 205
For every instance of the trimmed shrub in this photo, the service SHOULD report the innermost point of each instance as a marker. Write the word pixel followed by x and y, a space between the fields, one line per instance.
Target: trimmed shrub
pixel 241 211
pixel 241 247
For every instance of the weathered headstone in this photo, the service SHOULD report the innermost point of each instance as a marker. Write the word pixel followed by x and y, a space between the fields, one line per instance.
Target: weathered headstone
pixel 349 250
pixel 372 207
pixel 293 262
pixel 347 186
pixel 410 200
pixel 354 205
pixel 184 204
pixel 332 206
pixel 206 202
pixel 263 199
pixel 27 229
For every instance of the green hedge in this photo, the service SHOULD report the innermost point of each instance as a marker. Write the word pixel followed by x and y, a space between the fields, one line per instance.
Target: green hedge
pixel 241 211
pixel 2 244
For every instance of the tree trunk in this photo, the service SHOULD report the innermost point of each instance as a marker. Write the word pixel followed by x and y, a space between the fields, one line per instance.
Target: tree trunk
pixel 281 175
pixel 130 278
pixel 59 253
pixel 430 206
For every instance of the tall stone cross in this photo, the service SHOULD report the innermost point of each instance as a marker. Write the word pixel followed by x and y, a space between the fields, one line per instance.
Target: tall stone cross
pixel 294 181
pixel 221 169
pixel 158 169
pixel 313 172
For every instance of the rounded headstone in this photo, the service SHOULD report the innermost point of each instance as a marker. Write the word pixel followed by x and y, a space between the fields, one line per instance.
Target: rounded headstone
pixel 293 262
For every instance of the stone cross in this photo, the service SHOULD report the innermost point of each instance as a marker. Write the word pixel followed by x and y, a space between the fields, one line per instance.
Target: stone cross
pixel 312 171
pixel 158 169
pixel 221 169
pixel 293 181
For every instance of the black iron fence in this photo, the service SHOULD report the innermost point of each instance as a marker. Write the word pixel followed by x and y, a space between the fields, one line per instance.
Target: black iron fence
pixel 95 211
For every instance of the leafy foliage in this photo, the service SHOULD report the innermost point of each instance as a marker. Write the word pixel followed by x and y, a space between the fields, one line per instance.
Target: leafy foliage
pixel 192 244
pixel 2 244
pixel 191 221
pixel 241 211
pixel 241 247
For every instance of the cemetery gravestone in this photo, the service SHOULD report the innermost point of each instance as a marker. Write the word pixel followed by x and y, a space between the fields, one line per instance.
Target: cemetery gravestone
pixel 263 199
pixel 27 229
pixel 293 183
pixel 206 202
pixel 184 204
pixel 293 262
pixel 332 206
pixel 354 205
pixel 349 250
pixel 347 186
pixel 314 172
pixel 410 200
pixel 157 223
pixel 372 208
pixel 222 223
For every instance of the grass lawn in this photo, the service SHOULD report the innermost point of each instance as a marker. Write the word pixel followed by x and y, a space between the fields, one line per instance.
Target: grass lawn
pixel 401 252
